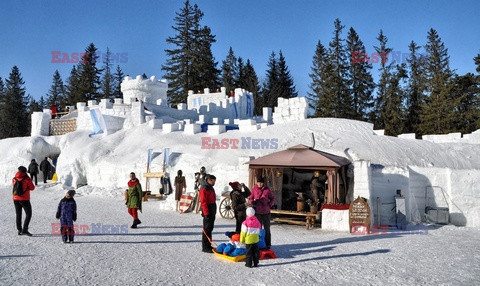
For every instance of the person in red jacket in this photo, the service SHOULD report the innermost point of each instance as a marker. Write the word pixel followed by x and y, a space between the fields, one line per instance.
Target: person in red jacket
pixel 23 201
pixel 208 203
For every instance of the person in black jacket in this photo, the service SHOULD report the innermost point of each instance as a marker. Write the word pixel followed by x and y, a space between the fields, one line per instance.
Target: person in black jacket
pixel 239 205
pixel 33 170
pixel 209 210
pixel 45 168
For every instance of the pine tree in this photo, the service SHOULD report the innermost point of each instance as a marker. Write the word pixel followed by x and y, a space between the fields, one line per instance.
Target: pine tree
pixel 338 75
pixel 107 84
pixel 286 86
pixel 270 86
pixel 466 96
pixel 89 74
pixel 229 71
pixel 74 93
pixel 178 66
pixel 360 79
pixel 204 68
pixel 415 89
pixel 394 112
pixel 56 93
pixel 42 103
pixel 14 109
pixel 240 74
pixel 437 114
pixel 2 99
pixel 249 81
pixel 477 62
pixel 319 97
pixel 118 78
pixel 385 77
pixel 2 87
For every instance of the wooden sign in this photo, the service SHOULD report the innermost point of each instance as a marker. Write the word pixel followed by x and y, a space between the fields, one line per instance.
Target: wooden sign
pixel 153 175
pixel 359 216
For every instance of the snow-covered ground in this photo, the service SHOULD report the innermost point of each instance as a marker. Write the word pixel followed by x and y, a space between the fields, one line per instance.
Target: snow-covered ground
pixel 165 250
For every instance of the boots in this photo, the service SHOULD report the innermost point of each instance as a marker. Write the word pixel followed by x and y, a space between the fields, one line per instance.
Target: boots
pixel 134 225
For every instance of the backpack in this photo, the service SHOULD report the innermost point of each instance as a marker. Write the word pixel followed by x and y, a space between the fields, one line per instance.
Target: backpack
pixel 17 188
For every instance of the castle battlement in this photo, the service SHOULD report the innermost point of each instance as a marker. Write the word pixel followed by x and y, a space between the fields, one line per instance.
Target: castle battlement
pixel 150 90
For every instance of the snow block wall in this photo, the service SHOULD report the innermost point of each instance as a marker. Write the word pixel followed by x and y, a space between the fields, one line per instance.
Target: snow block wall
pixel 456 189
pixel 40 125
pixel 219 105
pixel 149 90
pixel 472 138
pixel 116 116
pixel 290 109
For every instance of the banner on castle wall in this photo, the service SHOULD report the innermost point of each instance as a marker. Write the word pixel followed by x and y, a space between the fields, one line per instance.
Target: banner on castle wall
pixel 235 111
pixel 166 157
pixel 98 122
pixel 249 106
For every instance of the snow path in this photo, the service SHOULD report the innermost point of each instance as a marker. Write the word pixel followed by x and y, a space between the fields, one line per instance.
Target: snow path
pixel 165 250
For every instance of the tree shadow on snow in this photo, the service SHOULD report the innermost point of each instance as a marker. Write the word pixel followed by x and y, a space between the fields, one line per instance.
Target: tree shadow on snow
pixel 294 249
pixel 379 251
pixel 15 256
pixel 137 242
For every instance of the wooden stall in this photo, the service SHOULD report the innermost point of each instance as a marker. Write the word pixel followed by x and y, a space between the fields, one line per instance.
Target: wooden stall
pixel 302 179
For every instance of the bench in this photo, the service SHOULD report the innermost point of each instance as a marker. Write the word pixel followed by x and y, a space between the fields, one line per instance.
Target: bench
pixel 309 222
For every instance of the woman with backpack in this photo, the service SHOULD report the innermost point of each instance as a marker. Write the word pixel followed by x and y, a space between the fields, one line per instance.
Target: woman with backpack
pixel 22 185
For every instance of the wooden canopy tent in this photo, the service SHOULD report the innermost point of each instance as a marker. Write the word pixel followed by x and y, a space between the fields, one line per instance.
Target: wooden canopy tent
pixel 305 158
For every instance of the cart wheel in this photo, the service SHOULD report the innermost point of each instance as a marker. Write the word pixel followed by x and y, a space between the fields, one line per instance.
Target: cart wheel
pixel 226 210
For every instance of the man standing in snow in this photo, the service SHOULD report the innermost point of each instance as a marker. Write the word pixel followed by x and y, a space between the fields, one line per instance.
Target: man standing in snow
pixel 208 203
pixel 134 200
pixel 33 170
pixel 22 201
pixel 45 168
pixel 262 201
pixel 239 205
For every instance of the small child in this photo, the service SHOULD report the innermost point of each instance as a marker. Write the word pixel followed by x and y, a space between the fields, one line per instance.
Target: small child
pixel 67 213
pixel 250 235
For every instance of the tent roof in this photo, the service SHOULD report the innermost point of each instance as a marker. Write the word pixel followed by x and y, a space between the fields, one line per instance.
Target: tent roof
pixel 300 156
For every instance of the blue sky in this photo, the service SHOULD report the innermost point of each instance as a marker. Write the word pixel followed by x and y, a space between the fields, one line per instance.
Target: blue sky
pixel 31 30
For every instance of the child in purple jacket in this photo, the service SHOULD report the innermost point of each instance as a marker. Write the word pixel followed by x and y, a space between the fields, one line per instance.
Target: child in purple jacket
pixel 67 213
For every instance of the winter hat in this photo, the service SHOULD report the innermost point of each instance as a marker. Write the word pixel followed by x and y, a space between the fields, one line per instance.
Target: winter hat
pixel 260 180
pixel 235 237
pixel 235 185
pixel 22 169
pixel 71 193
pixel 250 211
pixel 211 177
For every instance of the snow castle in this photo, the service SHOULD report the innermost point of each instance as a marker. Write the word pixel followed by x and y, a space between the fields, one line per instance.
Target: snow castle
pixel 145 101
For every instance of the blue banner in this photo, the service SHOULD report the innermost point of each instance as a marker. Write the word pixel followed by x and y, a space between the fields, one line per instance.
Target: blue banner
pixel 166 157
pixel 97 122
pixel 249 106
pixel 235 109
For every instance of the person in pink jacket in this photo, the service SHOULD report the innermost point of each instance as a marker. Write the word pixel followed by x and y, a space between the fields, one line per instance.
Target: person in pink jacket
pixel 23 201
pixel 262 200
pixel 250 235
